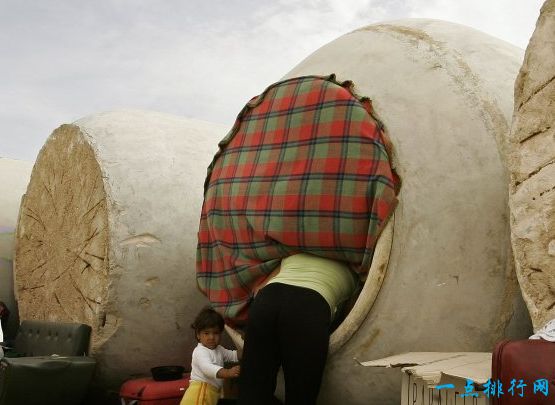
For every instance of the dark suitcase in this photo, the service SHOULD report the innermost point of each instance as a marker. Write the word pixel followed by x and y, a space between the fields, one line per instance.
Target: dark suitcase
pixel 147 391
pixel 525 370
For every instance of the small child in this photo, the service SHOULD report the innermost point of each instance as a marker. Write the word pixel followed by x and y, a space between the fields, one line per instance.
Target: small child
pixel 207 366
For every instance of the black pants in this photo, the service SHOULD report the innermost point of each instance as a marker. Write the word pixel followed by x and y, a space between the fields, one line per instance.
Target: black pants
pixel 288 326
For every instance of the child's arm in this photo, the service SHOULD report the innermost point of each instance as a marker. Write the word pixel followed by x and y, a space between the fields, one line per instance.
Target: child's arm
pixel 231 355
pixel 232 372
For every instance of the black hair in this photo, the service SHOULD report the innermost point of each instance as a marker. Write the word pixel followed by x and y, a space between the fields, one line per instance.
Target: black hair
pixel 4 315
pixel 208 318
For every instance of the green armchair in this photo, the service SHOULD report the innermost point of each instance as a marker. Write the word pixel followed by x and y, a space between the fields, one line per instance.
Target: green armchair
pixel 51 367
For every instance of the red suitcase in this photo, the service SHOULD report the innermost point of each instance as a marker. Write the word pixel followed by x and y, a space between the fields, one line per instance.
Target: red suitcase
pixel 146 391
pixel 525 366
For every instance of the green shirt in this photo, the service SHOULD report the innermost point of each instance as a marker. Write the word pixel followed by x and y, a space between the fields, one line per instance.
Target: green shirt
pixel 332 279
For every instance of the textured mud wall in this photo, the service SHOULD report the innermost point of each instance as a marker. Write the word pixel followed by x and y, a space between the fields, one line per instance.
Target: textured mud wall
pixel 108 235
pixel 14 177
pixel 532 167
pixel 445 94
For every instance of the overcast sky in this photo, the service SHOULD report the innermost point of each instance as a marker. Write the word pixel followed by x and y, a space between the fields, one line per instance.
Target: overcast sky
pixel 63 59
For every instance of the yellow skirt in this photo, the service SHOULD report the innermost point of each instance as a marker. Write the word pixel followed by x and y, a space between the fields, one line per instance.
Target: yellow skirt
pixel 200 393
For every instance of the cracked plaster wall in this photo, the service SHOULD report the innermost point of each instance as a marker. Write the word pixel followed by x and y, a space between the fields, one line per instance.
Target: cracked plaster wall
pixel 532 166
pixel 14 177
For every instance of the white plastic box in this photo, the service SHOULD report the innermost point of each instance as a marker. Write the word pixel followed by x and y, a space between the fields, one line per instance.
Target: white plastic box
pixel 434 378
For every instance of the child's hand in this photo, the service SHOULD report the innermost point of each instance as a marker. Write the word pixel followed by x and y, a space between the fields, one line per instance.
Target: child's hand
pixel 232 372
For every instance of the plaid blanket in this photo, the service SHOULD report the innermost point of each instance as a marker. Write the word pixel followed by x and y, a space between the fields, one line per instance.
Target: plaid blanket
pixel 305 168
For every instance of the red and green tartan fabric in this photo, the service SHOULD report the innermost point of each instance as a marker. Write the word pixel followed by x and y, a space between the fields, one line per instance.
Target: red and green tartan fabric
pixel 305 168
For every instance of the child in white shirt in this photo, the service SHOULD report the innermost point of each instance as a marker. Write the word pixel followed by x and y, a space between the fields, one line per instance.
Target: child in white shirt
pixel 207 366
